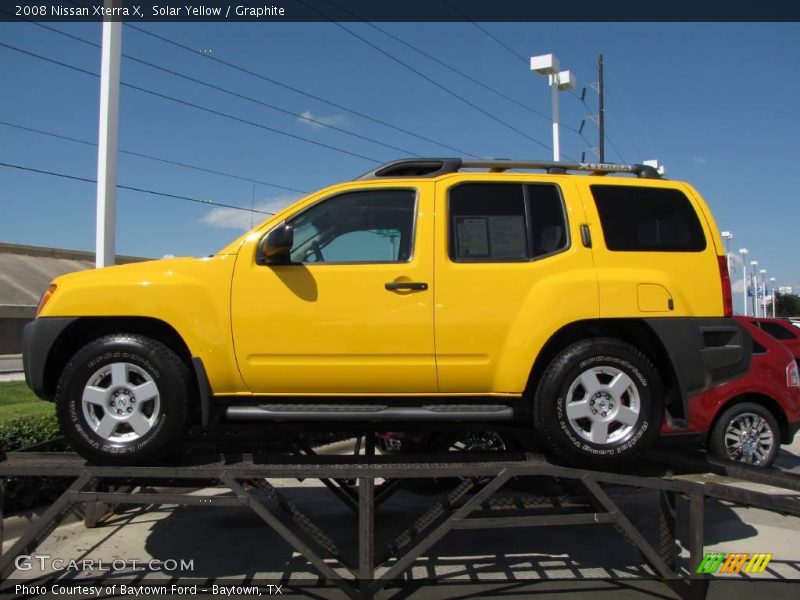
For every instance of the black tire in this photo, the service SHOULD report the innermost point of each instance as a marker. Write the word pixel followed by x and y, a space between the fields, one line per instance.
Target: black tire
pixel 160 417
pixel 572 438
pixel 727 449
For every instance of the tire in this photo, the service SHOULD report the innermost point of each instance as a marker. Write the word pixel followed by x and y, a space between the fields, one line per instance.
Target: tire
pixel 600 401
pixel 122 399
pixel 746 433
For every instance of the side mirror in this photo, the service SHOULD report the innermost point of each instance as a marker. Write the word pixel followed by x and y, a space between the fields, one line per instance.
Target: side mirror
pixel 275 247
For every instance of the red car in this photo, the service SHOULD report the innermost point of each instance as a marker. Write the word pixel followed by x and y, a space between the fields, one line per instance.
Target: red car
pixel 782 330
pixel 747 419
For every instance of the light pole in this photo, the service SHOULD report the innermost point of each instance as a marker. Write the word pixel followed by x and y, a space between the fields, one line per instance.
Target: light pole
pixel 754 281
pixel 728 236
pixel 105 242
pixel 547 64
pixel 772 281
pixel 764 291
pixel 744 253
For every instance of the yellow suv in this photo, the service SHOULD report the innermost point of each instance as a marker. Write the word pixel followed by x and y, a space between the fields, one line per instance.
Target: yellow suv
pixel 578 302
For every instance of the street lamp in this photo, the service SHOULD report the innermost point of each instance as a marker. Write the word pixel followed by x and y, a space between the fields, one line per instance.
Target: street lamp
pixel 547 64
pixel 754 281
pixel 744 252
pixel 728 236
pixel 764 290
pixel 772 281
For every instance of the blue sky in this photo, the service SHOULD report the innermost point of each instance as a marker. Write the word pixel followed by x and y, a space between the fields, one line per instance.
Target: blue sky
pixel 716 103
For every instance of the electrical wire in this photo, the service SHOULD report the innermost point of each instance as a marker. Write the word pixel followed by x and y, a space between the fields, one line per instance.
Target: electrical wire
pixel 153 158
pixel 488 33
pixel 428 79
pixel 132 188
pixel 607 137
pixel 213 86
pixel 444 64
pixel 193 105
pixel 301 92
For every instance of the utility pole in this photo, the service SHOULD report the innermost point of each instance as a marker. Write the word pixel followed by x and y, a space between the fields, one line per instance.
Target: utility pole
pixel 105 241
pixel 601 117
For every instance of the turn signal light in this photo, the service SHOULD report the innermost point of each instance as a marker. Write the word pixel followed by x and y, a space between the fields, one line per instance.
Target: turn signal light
pixel 45 298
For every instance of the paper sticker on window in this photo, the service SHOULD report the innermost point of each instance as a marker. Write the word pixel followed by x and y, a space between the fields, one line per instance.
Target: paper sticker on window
pixel 507 236
pixel 472 236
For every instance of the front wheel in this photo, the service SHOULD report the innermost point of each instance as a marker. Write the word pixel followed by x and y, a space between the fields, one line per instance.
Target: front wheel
pixel 599 401
pixel 123 399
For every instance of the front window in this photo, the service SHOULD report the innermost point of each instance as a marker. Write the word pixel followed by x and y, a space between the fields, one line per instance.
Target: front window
pixel 374 226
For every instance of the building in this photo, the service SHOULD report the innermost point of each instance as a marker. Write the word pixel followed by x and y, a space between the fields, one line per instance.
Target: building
pixel 25 273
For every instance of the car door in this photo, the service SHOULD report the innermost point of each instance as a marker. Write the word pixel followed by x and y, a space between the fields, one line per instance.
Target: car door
pixel 353 312
pixel 510 272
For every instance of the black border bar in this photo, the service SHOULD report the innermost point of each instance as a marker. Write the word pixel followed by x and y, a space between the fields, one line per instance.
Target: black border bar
pixel 406 10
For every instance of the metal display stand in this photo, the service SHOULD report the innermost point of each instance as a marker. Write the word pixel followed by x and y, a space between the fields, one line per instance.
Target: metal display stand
pixel 363 482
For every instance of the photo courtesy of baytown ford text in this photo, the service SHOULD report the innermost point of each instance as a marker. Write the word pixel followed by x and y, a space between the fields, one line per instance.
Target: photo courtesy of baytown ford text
pixel 428 300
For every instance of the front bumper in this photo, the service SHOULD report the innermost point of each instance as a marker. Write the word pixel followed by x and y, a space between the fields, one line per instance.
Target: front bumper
pixel 38 339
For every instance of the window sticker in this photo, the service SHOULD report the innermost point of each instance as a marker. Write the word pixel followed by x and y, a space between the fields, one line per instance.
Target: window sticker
pixel 472 235
pixel 507 236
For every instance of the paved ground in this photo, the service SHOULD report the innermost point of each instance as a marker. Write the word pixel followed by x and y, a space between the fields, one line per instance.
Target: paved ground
pixel 11 367
pixel 233 546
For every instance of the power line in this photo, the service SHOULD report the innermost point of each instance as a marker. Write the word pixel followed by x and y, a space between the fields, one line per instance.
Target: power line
pixel 133 189
pixel 444 64
pixel 154 158
pixel 301 92
pixel 607 137
pixel 488 33
pixel 426 78
pixel 196 106
pixel 231 92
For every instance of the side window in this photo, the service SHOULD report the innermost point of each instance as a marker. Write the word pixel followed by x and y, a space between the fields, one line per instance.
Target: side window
pixel 777 331
pixel 640 219
pixel 363 226
pixel 502 222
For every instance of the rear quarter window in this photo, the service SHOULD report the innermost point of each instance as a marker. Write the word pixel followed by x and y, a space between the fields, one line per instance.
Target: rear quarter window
pixel 777 331
pixel 642 219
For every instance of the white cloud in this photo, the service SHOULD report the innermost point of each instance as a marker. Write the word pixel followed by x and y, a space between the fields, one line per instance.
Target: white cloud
pixel 699 160
pixel 230 218
pixel 320 122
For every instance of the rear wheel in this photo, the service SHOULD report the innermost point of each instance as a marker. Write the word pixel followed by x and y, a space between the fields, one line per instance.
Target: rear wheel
pixel 746 433
pixel 600 400
pixel 123 399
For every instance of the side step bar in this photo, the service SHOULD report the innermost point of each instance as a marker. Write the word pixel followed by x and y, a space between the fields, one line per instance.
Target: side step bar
pixel 372 412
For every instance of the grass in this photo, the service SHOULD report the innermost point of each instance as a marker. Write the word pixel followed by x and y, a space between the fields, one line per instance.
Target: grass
pixel 17 400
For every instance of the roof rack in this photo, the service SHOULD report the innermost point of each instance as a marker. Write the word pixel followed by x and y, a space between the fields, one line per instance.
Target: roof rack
pixel 433 167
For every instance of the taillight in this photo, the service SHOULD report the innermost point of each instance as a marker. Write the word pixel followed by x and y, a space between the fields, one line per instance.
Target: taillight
pixel 792 375
pixel 45 297
pixel 725 278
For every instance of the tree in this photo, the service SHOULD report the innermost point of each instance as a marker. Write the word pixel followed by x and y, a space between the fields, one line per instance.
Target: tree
pixel 787 305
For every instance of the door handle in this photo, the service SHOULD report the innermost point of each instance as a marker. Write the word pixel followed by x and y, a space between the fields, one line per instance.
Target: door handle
pixel 406 285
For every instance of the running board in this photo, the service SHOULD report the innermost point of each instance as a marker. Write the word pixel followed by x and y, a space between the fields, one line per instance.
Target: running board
pixel 370 412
